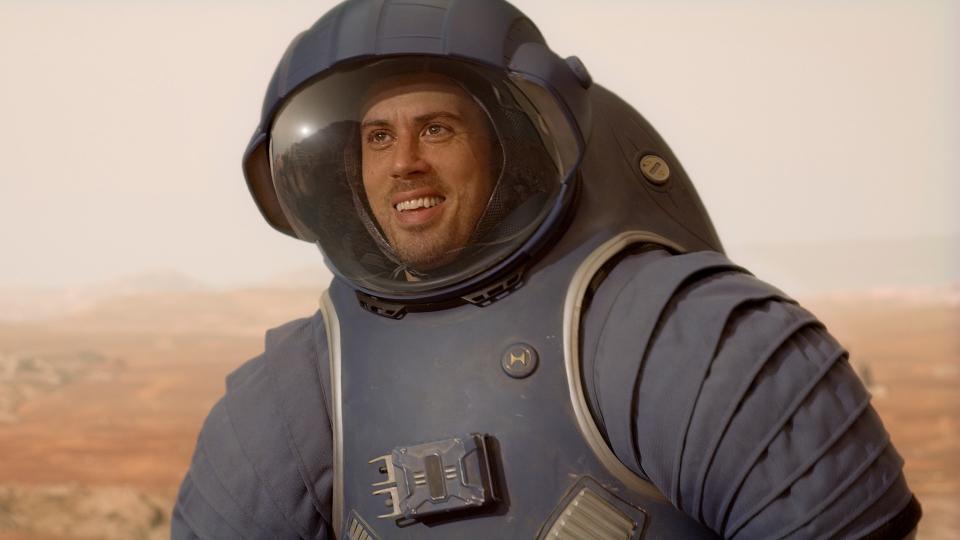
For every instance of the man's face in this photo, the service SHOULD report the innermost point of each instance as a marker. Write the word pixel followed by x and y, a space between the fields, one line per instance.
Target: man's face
pixel 426 166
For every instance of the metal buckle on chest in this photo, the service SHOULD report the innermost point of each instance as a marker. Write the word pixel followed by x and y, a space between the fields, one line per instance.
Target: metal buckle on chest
pixel 437 477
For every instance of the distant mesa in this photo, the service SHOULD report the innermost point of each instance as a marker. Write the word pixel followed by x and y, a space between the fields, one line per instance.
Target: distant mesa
pixel 33 304
pixel 306 277
pixel 40 304
pixel 153 281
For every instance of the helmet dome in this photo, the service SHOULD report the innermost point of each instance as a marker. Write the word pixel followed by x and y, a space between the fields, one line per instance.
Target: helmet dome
pixel 427 150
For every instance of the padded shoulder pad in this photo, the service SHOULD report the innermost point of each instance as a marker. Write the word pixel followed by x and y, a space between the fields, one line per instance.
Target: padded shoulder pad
pixel 263 463
pixel 735 402
pixel 622 319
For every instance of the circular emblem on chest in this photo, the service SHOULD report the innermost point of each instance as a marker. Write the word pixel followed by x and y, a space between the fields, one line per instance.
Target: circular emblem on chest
pixel 519 360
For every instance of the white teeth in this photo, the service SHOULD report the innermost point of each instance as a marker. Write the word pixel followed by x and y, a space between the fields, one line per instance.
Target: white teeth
pixel 415 204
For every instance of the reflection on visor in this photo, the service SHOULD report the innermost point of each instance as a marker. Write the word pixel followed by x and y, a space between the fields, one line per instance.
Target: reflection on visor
pixel 414 173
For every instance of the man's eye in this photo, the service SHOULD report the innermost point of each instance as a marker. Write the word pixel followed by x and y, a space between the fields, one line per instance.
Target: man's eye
pixel 379 138
pixel 436 130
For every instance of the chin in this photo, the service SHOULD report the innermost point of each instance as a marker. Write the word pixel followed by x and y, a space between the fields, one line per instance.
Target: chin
pixel 428 259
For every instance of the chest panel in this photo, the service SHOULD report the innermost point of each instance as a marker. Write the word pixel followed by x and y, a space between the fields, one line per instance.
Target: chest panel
pixel 433 376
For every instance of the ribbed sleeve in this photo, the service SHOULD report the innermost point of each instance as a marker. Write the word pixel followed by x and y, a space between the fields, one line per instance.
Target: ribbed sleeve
pixel 262 467
pixel 736 402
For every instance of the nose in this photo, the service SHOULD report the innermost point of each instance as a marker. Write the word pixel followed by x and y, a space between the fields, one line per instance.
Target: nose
pixel 408 160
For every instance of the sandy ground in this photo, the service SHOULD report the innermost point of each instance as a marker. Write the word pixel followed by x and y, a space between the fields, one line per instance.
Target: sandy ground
pixel 100 453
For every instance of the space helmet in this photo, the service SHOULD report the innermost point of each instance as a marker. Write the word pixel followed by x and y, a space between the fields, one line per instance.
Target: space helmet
pixel 429 149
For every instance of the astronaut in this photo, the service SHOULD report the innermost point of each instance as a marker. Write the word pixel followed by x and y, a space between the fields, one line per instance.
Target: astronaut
pixel 532 331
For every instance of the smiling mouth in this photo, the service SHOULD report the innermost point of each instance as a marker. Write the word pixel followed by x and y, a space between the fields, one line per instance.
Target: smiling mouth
pixel 418 204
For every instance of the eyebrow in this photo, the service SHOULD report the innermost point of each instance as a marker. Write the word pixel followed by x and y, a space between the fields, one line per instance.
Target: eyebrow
pixel 418 119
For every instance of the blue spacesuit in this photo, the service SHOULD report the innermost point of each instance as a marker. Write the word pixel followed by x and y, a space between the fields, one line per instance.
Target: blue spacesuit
pixel 532 331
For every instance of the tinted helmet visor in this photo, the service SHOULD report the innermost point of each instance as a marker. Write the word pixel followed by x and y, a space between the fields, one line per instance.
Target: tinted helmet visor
pixel 413 174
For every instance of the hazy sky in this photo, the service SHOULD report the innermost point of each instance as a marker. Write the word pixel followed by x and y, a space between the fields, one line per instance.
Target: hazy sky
pixel 124 122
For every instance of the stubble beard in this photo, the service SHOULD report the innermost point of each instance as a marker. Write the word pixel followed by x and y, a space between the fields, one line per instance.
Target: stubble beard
pixel 425 249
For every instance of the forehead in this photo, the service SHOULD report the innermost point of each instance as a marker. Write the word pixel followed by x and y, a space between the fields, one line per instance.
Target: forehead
pixel 416 94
